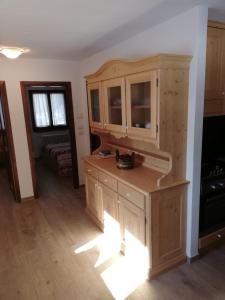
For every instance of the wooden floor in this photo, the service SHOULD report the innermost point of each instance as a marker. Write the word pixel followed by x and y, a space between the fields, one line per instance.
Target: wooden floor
pixel 49 250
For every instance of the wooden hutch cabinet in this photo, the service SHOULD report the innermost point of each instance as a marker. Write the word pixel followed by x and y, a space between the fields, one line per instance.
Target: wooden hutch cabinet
pixel 142 108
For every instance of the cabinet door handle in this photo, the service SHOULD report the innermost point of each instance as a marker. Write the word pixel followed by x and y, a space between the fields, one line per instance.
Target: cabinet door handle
pixel 89 170
pixel 118 202
pixel 223 93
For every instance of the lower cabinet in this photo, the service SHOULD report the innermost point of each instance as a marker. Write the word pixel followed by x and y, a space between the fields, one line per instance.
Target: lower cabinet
pixel 167 234
pixel 105 206
pixel 148 226
pixel 110 201
pixel 93 201
pixel 132 222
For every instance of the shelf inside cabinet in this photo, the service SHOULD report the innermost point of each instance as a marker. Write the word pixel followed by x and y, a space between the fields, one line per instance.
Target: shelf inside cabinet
pixel 116 107
pixel 141 106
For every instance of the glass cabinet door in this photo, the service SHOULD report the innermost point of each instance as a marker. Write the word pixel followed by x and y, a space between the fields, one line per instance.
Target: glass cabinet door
pixel 141 104
pixel 114 98
pixel 95 105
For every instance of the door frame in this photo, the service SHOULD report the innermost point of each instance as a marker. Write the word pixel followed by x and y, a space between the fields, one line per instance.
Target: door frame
pixel 10 142
pixel 24 85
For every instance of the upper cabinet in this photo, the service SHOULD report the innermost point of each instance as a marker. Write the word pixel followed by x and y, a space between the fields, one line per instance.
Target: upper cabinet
pixel 114 105
pixel 215 70
pixel 138 99
pixel 95 105
pixel 141 104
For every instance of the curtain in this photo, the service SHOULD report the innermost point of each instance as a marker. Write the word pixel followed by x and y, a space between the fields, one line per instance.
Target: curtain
pixel 2 123
pixel 58 109
pixel 41 110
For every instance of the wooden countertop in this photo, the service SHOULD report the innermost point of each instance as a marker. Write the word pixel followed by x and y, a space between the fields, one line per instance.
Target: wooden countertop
pixel 140 177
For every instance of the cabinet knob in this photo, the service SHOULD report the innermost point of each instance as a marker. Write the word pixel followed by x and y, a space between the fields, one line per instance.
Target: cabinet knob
pixel 223 93
pixel 105 180
pixel 89 170
pixel 219 236
pixel 118 202
pixel 127 194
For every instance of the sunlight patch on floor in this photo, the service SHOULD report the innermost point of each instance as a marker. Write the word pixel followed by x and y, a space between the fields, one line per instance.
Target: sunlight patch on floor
pixel 108 242
pixel 89 245
pixel 126 273
pixel 124 276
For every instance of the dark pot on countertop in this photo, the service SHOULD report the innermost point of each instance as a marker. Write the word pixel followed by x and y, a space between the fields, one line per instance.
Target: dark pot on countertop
pixel 125 161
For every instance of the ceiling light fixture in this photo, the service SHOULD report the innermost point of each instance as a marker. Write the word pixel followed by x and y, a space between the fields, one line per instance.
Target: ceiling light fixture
pixel 12 52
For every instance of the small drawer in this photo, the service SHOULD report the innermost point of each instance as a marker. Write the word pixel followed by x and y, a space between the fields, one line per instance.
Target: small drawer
pixel 90 170
pixel 132 195
pixel 211 240
pixel 108 181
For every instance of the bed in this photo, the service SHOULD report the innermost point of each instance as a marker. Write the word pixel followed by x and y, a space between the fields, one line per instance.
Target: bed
pixel 58 157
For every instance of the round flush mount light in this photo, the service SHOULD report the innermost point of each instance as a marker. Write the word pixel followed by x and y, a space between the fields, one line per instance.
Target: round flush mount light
pixel 12 52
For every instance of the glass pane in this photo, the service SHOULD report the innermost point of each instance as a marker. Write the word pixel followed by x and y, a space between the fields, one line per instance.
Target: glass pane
pixel 2 123
pixel 41 110
pixel 58 109
pixel 95 108
pixel 140 104
pixel 114 104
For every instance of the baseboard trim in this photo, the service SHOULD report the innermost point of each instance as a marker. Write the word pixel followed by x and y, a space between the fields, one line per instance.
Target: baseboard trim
pixel 26 199
pixel 173 263
pixel 192 259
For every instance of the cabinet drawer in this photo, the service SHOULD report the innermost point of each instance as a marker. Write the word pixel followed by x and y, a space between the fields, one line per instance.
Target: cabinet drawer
pixel 132 195
pixel 108 180
pixel 211 240
pixel 90 170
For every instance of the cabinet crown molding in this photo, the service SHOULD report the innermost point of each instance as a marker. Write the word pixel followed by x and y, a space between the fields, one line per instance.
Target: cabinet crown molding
pixel 121 67
pixel 216 24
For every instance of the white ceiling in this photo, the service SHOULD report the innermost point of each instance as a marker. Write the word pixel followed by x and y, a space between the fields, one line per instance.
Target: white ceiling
pixel 72 29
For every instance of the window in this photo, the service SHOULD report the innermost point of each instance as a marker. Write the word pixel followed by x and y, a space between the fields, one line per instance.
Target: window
pixel 48 110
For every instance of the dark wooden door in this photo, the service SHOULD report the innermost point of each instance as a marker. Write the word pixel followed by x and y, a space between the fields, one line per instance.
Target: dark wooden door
pixel 6 143
pixel 4 148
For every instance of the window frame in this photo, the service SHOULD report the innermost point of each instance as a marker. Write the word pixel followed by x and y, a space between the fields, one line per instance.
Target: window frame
pixel 51 127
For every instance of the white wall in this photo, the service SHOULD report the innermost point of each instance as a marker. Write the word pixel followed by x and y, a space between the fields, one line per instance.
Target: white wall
pixel 195 124
pixel 184 34
pixel 14 71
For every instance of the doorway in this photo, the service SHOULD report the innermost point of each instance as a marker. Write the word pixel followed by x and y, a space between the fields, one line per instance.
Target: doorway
pixel 8 166
pixel 48 111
